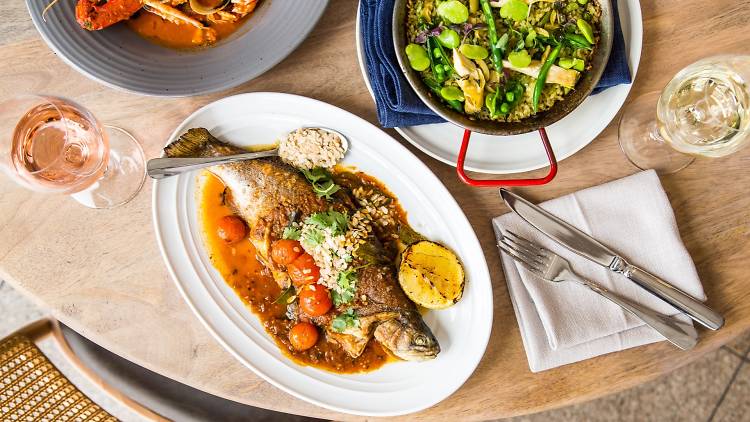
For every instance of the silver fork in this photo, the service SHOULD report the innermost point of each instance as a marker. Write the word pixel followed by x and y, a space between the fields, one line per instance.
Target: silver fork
pixel 554 268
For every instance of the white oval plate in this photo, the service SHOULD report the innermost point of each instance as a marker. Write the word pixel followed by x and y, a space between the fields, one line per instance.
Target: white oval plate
pixel 398 388
pixel 519 153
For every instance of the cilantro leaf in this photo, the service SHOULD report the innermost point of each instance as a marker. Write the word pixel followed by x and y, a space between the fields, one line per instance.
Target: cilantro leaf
pixel 321 181
pixel 334 220
pixel 312 236
pixel 291 232
pixel 345 320
pixel 347 282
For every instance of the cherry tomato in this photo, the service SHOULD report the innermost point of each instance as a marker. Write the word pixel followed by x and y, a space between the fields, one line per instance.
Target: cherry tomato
pixel 314 300
pixel 231 229
pixel 303 270
pixel 303 336
pixel 285 251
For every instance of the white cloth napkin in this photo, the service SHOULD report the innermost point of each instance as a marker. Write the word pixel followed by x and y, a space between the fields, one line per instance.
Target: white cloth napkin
pixel 563 323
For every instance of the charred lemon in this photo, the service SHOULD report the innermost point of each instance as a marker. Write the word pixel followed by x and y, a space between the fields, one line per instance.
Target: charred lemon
pixel 431 275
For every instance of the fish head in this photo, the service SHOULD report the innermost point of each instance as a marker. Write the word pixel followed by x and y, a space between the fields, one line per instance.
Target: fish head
pixel 408 338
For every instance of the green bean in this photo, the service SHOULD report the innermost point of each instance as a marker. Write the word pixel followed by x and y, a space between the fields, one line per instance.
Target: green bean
pixel 437 68
pixel 497 53
pixel 447 66
pixel 542 77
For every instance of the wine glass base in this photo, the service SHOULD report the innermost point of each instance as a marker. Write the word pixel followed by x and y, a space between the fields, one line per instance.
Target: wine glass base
pixel 124 176
pixel 640 141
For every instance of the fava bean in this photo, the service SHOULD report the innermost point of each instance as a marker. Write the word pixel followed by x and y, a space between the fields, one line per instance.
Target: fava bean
pixel 453 11
pixel 474 52
pixel 449 38
pixel 417 55
pixel 451 93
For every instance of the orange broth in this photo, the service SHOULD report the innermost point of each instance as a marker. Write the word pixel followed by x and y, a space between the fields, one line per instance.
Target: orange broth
pixel 239 267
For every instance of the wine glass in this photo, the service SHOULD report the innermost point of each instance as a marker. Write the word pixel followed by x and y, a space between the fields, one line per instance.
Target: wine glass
pixel 704 111
pixel 53 145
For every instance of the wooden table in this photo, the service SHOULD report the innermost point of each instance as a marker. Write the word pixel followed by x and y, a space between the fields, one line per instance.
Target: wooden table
pixel 101 273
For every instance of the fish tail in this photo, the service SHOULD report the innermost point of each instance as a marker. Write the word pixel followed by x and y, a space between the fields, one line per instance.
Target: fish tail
pixel 193 143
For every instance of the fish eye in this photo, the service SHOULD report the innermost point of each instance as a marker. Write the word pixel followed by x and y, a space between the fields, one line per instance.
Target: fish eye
pixel 421 341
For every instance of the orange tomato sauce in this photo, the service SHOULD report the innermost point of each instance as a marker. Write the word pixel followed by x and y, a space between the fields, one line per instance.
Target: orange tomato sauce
pixel 238 265
pixel 178 36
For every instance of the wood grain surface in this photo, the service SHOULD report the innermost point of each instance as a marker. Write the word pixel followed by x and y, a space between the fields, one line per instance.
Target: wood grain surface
pixel 101 273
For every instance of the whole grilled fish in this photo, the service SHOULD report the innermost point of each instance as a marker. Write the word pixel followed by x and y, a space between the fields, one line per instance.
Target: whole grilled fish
pixel 269 194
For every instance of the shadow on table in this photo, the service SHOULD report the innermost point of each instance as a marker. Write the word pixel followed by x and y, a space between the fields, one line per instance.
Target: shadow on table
pixel 169 398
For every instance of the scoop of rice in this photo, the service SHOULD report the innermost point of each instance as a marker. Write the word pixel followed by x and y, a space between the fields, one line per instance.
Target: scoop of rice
pixel 310 148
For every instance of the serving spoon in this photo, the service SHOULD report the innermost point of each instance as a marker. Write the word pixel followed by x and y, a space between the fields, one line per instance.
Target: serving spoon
pixel 160 168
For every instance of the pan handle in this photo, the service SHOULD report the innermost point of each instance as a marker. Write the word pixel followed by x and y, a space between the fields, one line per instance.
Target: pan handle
pixel 506 182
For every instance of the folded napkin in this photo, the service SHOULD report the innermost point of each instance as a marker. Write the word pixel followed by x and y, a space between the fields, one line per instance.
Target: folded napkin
pixel 563 323
pixel 398 104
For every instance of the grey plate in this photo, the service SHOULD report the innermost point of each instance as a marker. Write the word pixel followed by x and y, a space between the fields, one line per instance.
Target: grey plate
pixel 119 58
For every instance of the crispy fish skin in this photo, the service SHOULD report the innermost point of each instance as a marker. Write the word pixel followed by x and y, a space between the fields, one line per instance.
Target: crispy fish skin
pixel 267 193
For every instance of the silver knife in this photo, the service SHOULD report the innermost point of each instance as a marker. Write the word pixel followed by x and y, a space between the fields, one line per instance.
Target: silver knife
pixel 588 247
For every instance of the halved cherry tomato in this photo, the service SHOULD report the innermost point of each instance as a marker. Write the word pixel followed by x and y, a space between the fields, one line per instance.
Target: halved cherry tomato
pixel 285 251
pixel 231 229
pixel 303 270
pixel 314 300
pixel 303 336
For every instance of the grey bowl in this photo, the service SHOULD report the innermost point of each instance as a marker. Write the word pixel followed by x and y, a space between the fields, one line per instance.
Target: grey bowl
pixel 119 58
pixel 561 109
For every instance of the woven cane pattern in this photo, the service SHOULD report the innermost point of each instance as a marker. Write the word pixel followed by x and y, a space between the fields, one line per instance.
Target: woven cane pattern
pixel 32 389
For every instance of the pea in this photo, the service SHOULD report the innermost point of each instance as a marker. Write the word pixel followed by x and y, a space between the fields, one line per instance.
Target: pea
pixel 451 93
pixel 586 30
pixel 504 108
pixel 510 96
pixel 474 52
pixel 583 1
pixel 417 56
pixel 436 52
pixel 514 9
pixel 453 11
pixel 519 58
pixel 449 38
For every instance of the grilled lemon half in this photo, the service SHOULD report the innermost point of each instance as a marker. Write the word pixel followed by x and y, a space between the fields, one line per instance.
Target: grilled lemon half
pixel 431 275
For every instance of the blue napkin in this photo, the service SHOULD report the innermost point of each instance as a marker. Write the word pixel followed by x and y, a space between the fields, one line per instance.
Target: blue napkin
pixel 396 101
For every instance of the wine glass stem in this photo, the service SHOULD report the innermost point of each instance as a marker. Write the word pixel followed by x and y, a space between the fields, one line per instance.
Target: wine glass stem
pixel 654 134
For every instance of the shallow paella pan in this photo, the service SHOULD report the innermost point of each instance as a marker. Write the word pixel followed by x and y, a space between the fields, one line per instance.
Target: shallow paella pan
pixel 538 122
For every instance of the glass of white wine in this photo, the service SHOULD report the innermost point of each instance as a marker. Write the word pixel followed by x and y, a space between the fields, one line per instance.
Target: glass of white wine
pixel 704 111
pixel 53 145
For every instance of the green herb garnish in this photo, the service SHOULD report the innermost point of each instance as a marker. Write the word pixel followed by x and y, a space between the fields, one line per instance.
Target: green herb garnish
pixel 312 236
pixel 347 281
pixel 322 182
pixel 335 221
pixel 345 320
pixel 291 232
